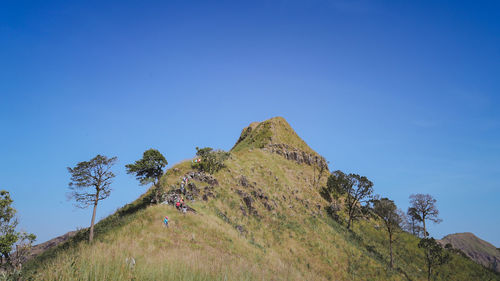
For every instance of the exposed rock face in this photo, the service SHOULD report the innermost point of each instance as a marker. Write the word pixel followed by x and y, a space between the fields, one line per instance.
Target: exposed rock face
pixel 297 155
pixel 200 176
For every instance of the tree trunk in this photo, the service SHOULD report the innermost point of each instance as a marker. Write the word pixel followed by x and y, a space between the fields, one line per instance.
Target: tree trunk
pixel 429 272
pixel 425 230
pixel 91 235
pixel 390 249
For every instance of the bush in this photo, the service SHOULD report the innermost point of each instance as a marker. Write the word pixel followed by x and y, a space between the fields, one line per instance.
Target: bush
pixel 211 160
pixel 333 210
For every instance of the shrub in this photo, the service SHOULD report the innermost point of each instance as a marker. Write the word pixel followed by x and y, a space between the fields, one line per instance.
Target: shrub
pixel 211 160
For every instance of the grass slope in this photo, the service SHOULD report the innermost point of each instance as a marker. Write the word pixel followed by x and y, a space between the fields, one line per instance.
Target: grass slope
pixel 283 234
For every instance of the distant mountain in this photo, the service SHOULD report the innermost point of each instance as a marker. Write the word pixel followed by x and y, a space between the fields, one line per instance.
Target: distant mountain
pixel 42 247
pixel 477 249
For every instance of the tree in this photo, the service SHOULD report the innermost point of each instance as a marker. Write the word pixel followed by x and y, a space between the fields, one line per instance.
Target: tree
pixel 149 168
pixel 358 189
pixel 434 255
pixel 90 183
pixel 211 160
pixel 387 211
pixel 424 206
pixel 23 249
pixel 414 221
pixel 9 237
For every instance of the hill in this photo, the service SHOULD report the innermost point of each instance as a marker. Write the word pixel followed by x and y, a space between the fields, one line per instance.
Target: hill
pixel 477 249
pixel 259 218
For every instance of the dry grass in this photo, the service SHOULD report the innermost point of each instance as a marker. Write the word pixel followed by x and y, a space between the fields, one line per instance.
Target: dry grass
pixel 293 241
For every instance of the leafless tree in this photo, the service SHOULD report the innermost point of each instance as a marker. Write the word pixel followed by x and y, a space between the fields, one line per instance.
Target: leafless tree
pixel 425 206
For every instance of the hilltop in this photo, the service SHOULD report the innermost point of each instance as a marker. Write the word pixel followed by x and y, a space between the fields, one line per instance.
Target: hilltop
pixel 477 249
pixel 259 218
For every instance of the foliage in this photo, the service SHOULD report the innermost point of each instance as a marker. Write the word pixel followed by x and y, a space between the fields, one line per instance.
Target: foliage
pixel 422 207
pixel 9 237
pixel 23 248
pixel 90 183
pixel 387 211
pixel 357 189
pixel 434 255
pixel 211 160
pixel 413 220
pixel 149 168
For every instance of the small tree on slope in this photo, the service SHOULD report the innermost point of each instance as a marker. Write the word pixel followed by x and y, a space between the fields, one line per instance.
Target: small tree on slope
pixel 357 189
pixel 387 211
pixel 90 183
pixel 434 255
pixel 211 160
pixel 413 221
pixel 149 169
pixel 8 234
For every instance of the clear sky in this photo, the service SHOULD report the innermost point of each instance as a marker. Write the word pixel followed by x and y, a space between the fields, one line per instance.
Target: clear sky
pixel 406 93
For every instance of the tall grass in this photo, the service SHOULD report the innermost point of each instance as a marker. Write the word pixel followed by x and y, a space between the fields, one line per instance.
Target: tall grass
pixel 292 241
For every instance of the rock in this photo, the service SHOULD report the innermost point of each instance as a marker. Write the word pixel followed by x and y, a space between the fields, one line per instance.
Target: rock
pixel 243 210
pixel 248 201
pixel 241 229
pixel 297 155
pixel 193 189
pixel 244 181
pixel 200 176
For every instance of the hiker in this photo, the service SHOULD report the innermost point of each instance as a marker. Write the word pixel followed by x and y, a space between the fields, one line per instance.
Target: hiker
pixel 184 209
pixel 178 205
pixel 165 221
pixel 183 191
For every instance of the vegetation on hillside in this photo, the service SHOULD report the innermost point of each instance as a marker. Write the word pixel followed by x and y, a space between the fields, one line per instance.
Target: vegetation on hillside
pixel 211 161
pixel 266 220
pixel 10 239
pixel 149 168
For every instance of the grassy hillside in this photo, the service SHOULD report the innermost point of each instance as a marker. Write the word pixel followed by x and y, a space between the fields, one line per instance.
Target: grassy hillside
pixel 265 221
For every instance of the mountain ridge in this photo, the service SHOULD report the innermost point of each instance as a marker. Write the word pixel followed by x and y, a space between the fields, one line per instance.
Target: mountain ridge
pixel 475 248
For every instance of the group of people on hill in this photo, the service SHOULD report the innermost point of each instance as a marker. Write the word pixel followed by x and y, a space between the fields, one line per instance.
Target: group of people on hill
pixel 180 205
pixel 179 202
pixel 183 185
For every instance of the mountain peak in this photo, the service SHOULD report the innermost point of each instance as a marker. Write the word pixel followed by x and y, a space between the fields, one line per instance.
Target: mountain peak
pixel 274 131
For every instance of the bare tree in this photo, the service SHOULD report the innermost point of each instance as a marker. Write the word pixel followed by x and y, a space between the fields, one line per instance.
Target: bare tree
pixel 90 183
pixel 425 207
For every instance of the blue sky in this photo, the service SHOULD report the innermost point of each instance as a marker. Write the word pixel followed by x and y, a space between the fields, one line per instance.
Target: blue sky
pixel 404 92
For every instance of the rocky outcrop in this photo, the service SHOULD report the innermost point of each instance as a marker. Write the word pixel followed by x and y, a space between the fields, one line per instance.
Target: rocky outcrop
pixel 297 155
pixel 200 176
